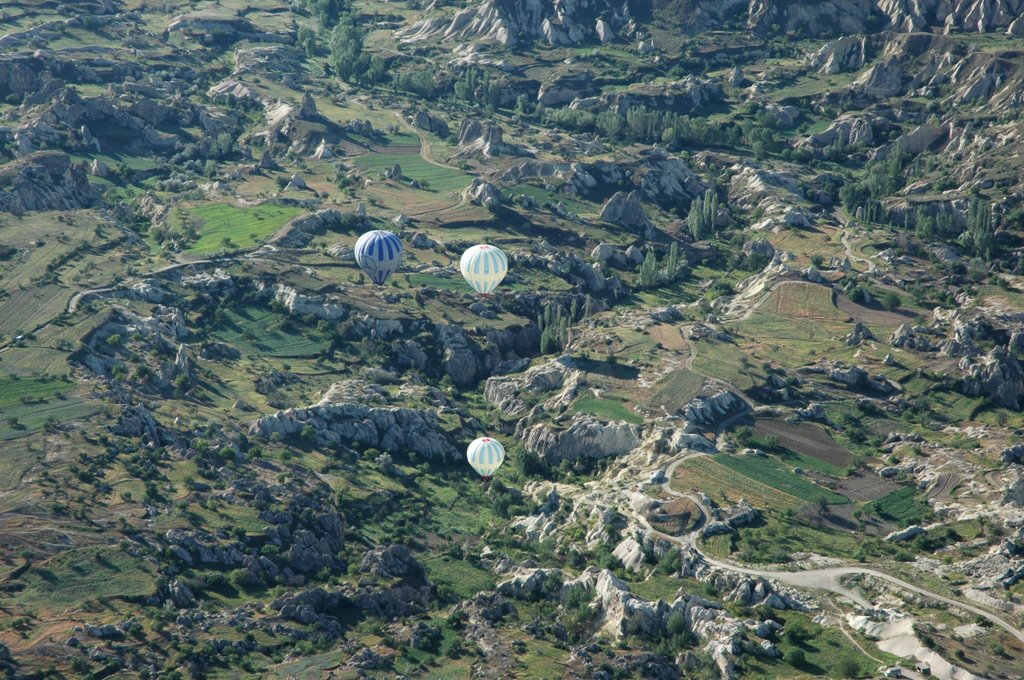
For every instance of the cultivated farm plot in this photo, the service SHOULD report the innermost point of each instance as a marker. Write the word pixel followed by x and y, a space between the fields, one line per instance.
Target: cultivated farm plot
pixel 675 390
pixel 904 507
pixel 607 409
pixel 16 458
pixel 803 300
pixel 804 438
pixel 881 321
pixel 865 487
pixel 779 477
pixel 719 481
pixel 244 226
pixel 27 309
pixel 725 362
pixel 669 336
pixel 74 577
pixel 253 330
pixel 27 404
pixel 435 178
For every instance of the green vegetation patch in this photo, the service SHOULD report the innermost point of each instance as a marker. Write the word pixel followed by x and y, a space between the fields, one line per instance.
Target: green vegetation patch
pixel 243 227
pixel 430 176
pixel 606 409
pixel 27 405
pixel 779 477
pixel 904 506
pixel 722 482
pixel 463 578
pixel 258 331
pixel 75 577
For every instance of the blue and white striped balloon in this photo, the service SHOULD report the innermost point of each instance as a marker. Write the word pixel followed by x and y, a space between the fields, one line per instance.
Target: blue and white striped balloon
pixel 379 253
pixel 483 267
pixel 485 455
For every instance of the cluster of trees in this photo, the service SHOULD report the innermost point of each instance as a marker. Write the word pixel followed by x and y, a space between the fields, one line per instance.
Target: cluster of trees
pixel 980 237
pixel 327 13
pixel 701 219
pixel 650 275
pixel 641 124
pixel 881 178
pixel 422 82
pixel 349 60
pixel 477 87
pixel 556 324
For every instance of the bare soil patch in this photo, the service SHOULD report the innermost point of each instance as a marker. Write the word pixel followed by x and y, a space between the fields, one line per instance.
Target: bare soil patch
pixel 810 440
pixel 669 337
pixel 675 517
pixel 872 315
pixel 861 486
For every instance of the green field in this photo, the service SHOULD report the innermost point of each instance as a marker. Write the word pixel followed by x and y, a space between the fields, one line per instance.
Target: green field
pixel 904 506
pixel 27 404
pixel 257 331
pixel 16 459
pixel 723 483
pixel 779 477
pixel 462 577
pixel 77 576
pixel 675 390
pixel 245 227
pixel 431 177
pixel 606 409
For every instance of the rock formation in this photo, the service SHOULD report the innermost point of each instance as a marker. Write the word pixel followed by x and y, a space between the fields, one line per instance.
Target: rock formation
pixel 45 180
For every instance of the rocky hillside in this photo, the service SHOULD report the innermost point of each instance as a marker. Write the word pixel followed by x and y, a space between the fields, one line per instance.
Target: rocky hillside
pixel 757 363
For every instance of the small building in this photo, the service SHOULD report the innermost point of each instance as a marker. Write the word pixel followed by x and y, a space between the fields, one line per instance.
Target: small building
pixel 923 667
pixel 893 672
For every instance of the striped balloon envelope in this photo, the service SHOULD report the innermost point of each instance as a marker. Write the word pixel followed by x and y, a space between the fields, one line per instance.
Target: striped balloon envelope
pixel 378 253
pixel 485 455
pixel 483 267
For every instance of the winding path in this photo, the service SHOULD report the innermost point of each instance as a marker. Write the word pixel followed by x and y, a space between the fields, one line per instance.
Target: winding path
pixel 823 579
pixel 845 240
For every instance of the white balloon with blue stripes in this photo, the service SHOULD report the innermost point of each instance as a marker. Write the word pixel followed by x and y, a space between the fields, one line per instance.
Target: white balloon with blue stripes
pixel 485 455
pixel 484 267
pixel 379 254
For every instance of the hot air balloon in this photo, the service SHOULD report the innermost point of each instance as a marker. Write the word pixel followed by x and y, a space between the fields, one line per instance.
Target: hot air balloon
pixel 483 267
pixel 485 455
pixel 378 253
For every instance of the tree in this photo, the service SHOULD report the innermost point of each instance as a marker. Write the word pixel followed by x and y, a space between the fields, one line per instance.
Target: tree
pixel 347 56
pixel 611 123
pixel 695 220
pixel 649 270
pixel 306 39
pixel 670 562
pixel 979 237
pixel 677 623
pixel 890 300
pixel 701 219
pixel 796 658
